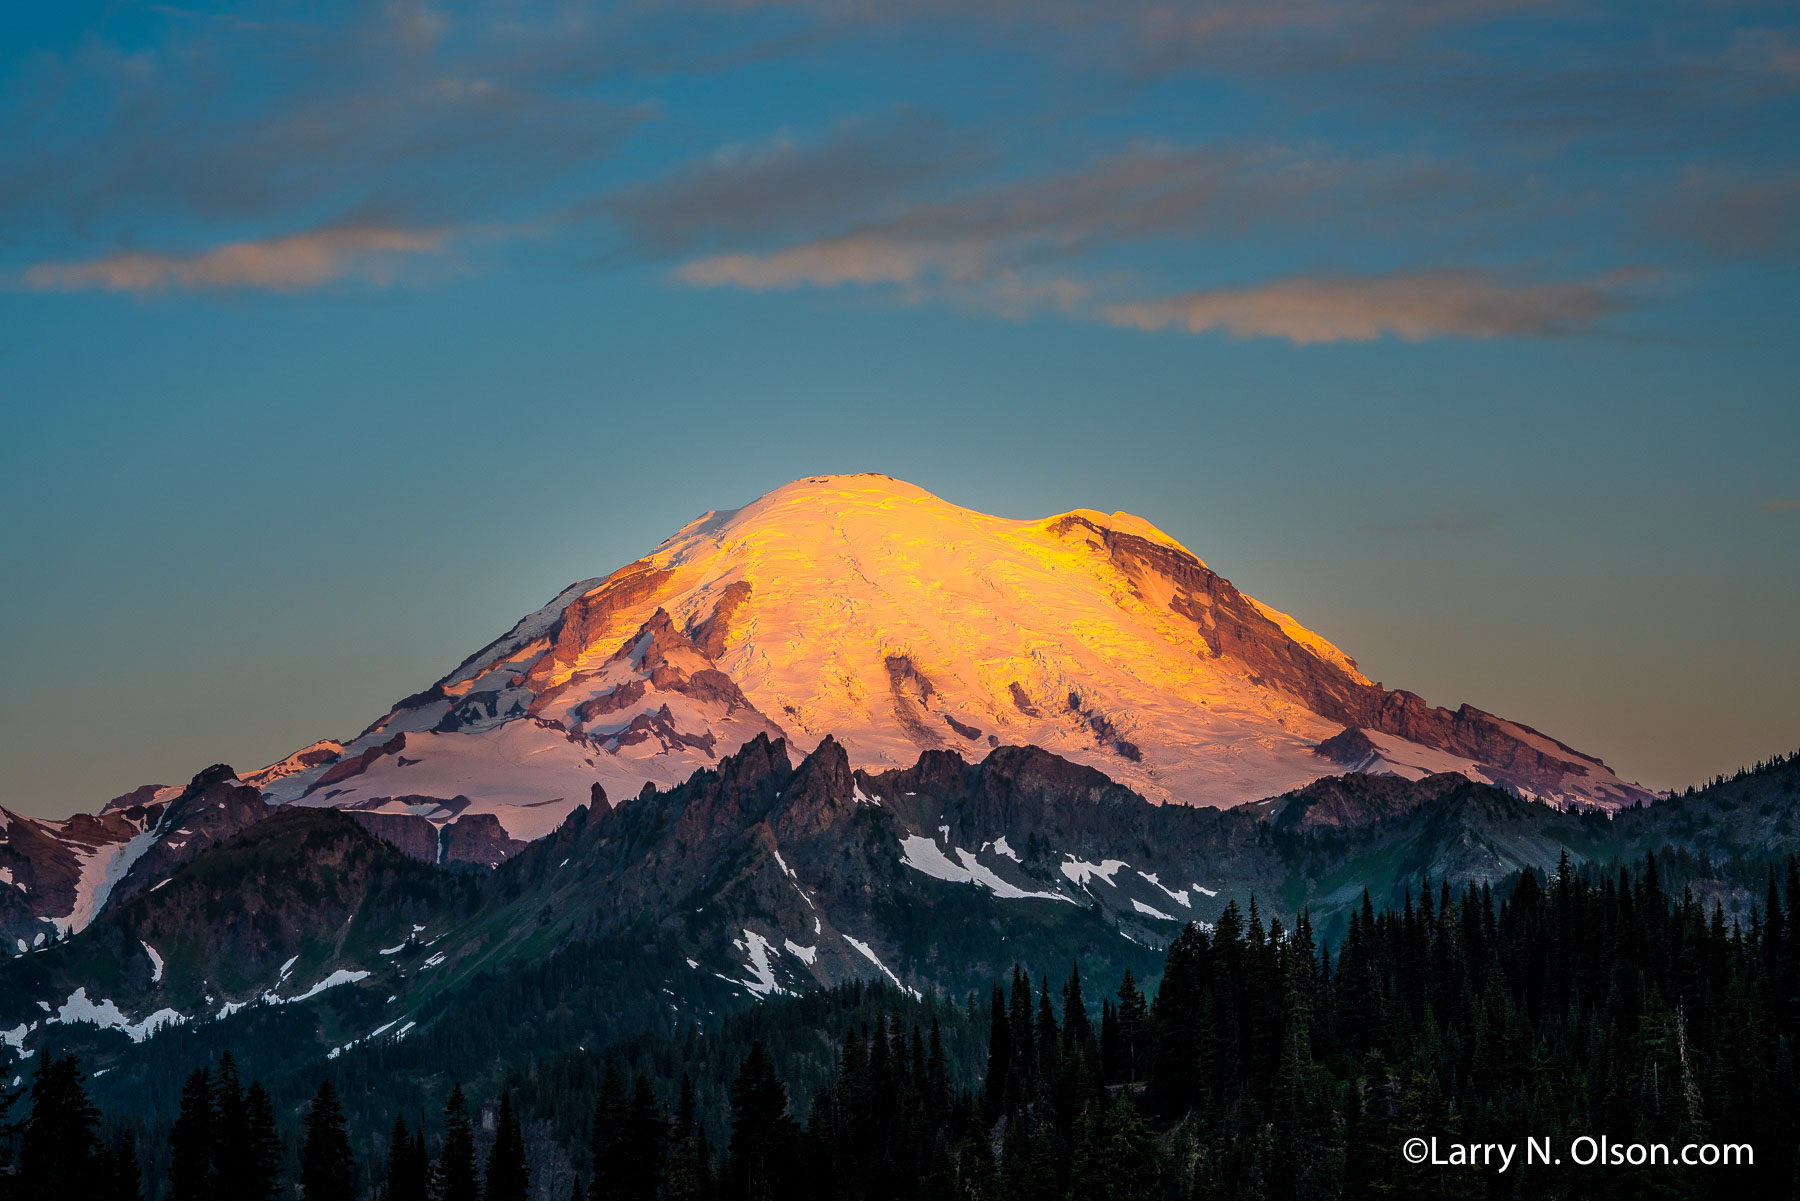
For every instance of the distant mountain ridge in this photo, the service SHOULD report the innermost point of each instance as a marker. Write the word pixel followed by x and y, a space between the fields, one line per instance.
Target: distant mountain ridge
pixel 863 611
pixel 765 875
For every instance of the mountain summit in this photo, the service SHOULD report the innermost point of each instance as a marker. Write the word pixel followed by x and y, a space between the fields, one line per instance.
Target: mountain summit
pixel 867 610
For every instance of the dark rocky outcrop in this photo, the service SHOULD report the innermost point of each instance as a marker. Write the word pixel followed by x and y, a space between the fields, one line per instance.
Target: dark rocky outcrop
pixel 478 840
pixel 710 635
pixel 408 833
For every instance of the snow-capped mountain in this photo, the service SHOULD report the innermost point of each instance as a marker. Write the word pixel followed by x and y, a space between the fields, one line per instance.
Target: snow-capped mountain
pixel 870 611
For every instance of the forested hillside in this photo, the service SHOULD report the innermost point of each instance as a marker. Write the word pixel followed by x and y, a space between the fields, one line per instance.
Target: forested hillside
pixel 1264 1064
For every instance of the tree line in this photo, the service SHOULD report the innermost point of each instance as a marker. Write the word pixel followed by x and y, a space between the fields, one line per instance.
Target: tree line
pixel 1264 1065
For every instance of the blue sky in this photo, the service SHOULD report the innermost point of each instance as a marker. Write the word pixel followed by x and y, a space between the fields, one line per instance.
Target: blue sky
pixel 335 337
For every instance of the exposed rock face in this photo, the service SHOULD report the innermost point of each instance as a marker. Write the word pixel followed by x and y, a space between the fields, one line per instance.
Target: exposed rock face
pixel 710 635
pixel 480 840
pixel 215 806
pixel 56 875
pixel 319 754
pixel 589 619
pixel 51 873
pixel 794 869
pixel 357 764
pixel 1345 802
pixel 138 798
pixel 408 833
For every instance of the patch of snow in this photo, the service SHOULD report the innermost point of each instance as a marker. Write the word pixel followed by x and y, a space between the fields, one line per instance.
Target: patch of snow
pixel 1001 848
pixel 1155 913
pixel 341 976
pixel 1211 892
pixel 102 868
pixel 156 962
pixel 922 854
pixel 395 949
pixel 1080 872
pixel 106 1014
pixel 159 884
pixel 762 972
pixel 806 955
pixel 869 954
pixel 432 962
pixel 1180 898
pixel 983 875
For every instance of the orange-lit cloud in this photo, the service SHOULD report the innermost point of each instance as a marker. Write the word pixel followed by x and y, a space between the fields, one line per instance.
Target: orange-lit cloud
pixel 857 259
pixel 1779 505
pixel 1361 309
pixel 295 262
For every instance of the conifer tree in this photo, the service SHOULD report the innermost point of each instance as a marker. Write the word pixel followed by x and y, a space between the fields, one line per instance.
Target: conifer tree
pixel 193 1141
pixel 608 1144
pixel 231 1167
pixel 647 1136
pixel 763 1133
pixel 1116 1156
pixel 997 1089
pixel 327 1168
pixel 688 1172
pixel 406 1171
pixel 1133 1032
pixel 58 1151
pixel 261 1153
pixel 124 1175
pixel 508 1176
pixel 453 1175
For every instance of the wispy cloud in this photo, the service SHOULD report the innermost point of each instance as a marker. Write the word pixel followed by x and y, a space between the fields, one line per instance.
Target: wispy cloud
pixel 1735 214
pixel 292 263
pixel 1779 505
pixel 1361 309
pixel 399 115
pixel 789 184
pixel 858 259
pixel 1047 225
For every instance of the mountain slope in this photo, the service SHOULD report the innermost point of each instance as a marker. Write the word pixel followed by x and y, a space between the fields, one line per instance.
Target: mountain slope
pixel 756 877
pixel 869 611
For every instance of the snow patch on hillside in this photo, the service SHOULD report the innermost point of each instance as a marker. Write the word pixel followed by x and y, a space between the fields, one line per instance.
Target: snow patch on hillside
pixel 1080 871
pixel 107 1014
pixel 762 982
pixel 102 867
pixel 922 854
